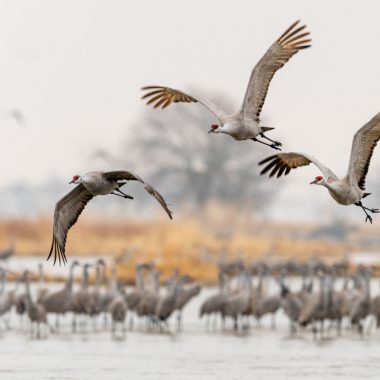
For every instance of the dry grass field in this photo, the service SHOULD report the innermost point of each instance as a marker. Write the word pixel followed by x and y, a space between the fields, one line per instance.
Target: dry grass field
pixel 194 245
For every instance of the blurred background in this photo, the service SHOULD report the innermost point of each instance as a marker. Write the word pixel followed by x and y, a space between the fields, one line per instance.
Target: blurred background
pixel 71 73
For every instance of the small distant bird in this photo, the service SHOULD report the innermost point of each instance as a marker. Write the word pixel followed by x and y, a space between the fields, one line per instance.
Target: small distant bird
pixel 14 114
pixel 348 190
pixel 245 124
pixel 68 209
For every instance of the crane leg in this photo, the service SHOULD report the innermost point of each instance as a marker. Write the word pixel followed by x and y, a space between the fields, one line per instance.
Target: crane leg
pixel 277 143
pixel 273 145
pixel 365 209
pixel 123 195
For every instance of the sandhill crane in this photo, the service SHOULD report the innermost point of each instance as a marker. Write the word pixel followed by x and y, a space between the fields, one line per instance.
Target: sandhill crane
pixel 117 307
pixel 348 190
pixel 334 301
pixel 315 307
pixel 257 294
pixel 149 298
pixel 36 312
pixel 82 303
pixel 269 305
pixel 7 298
pixel 236 303
pixel 291 304
pixel 214 304
pixel 361 308
pixel 42 290
pixel 184 296
pixel 118 310
pixel 95 293
pixel 60 302
pixel 245 124
pixel 68 209
pixel 166 304
pixel 21 301
pixel 133 298
pixel 112 292
pixel 21 305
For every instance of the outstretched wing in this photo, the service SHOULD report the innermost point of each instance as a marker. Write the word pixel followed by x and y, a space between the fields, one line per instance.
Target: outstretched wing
pixel 364 143
pixel 66 213
pixel 162 97
pixel 281 163
pixel 291 41
pixel 129 176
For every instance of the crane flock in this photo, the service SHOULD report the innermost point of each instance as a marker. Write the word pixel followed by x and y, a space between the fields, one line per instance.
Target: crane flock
pixel 317 299
pixel 242 291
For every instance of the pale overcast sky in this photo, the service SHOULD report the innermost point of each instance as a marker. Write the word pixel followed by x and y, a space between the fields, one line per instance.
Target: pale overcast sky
pixel 75 68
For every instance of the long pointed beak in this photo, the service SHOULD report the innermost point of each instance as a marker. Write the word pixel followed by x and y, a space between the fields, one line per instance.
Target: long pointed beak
pixel 313 182
pixel 210 131
pixel 72 181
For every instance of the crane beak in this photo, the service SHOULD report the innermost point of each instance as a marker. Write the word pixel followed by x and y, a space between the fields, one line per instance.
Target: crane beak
pixel 72 181
pixel 313 182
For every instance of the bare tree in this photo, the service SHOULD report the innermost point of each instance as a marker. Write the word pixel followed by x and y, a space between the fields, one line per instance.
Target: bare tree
pixel 173 150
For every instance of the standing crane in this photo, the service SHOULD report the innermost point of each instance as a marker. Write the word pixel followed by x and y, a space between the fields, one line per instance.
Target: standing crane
pixel 36 311
pixel 348 190
pixel 68 209
pixel 244 124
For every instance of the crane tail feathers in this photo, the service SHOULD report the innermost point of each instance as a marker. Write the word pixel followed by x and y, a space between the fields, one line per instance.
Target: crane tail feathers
pixel 265 129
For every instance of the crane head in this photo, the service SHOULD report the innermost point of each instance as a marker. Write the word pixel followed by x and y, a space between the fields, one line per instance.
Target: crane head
pixel 76 179
pixel 214 128
pixel 317 181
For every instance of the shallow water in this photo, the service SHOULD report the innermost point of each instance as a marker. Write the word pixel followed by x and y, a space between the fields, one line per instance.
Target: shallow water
pixel 192 354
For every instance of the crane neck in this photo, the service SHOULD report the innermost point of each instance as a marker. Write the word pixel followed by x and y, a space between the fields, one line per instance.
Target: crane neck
pixel 41 279
pixel 157 282
pixel 69 282
pixel 98 277
pixel 27 289
pixel 85 277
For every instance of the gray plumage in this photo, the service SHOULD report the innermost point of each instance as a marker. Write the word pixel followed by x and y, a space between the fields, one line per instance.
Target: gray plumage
pixel 361 308
pixel 36 312
pixel 348 190
pixel 243 124
pixel 68 209
pixel 60 302
pixel 166 304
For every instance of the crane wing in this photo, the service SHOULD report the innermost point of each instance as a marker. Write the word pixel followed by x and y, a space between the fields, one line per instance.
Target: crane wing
pixel 162 97
pixel 281 163
pixel 289 43
pixel 66 214
pixel 123 175
pixel 364 143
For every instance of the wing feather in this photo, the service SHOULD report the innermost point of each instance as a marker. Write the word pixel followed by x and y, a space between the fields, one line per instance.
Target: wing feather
pixel 288 44
pixel 363 145
pixel 124 175
pixel 66 214
pixel 160 96
pixel 283 163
